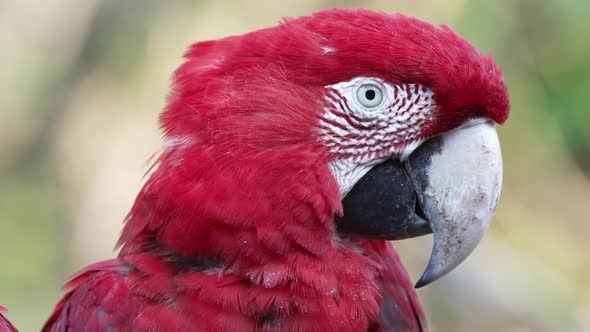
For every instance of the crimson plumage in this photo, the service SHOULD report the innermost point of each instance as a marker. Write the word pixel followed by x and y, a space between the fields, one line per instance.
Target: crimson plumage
pixel 234 230
pixel 5 324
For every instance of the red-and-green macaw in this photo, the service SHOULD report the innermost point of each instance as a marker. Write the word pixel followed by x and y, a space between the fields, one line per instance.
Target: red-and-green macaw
pixel 292 155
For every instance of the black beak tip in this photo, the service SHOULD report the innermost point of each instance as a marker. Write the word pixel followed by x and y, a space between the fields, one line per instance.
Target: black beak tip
pixel 428 277
pixel 422 282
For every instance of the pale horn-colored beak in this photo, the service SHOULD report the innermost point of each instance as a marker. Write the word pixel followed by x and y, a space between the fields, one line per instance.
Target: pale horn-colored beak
pixel 458 189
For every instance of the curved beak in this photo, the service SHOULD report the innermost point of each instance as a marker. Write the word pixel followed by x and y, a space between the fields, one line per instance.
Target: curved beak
pixel 460 194
pixel 449 186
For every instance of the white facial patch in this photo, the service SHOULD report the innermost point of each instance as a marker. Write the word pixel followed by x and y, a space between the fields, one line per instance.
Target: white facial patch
pixel 348 172
pixel 367 121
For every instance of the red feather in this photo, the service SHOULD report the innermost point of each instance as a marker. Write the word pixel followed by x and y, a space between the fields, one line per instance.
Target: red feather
pixel 5 324
pixel 234 229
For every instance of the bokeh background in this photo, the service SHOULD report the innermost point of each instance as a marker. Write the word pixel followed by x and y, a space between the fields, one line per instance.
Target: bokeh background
pixel 82 83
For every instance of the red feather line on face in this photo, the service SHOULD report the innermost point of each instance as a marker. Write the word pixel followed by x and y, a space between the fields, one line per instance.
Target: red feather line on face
pixel 234 229
pixel 377 133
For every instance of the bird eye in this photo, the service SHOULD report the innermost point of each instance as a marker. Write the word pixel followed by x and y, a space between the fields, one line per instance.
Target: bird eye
pixel 369 95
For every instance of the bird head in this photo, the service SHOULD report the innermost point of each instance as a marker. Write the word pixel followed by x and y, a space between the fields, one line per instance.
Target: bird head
pixel 345 123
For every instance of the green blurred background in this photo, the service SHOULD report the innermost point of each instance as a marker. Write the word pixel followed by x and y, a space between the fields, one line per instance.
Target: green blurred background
pixel 84 80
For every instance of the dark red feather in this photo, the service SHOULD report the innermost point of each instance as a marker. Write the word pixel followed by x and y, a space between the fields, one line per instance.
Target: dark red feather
pixel 5 324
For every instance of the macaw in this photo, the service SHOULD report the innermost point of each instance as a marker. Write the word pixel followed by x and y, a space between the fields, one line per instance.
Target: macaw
pixel 292 155
pixel 5 325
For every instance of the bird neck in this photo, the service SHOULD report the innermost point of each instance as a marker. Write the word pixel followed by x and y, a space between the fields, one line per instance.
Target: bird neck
pixel 202 201
pixel 267 220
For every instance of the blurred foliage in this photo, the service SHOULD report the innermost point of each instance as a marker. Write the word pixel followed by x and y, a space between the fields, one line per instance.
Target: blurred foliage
pixel 83 82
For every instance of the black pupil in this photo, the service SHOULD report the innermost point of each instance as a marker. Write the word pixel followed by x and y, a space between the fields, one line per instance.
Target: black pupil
pixel 370 94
